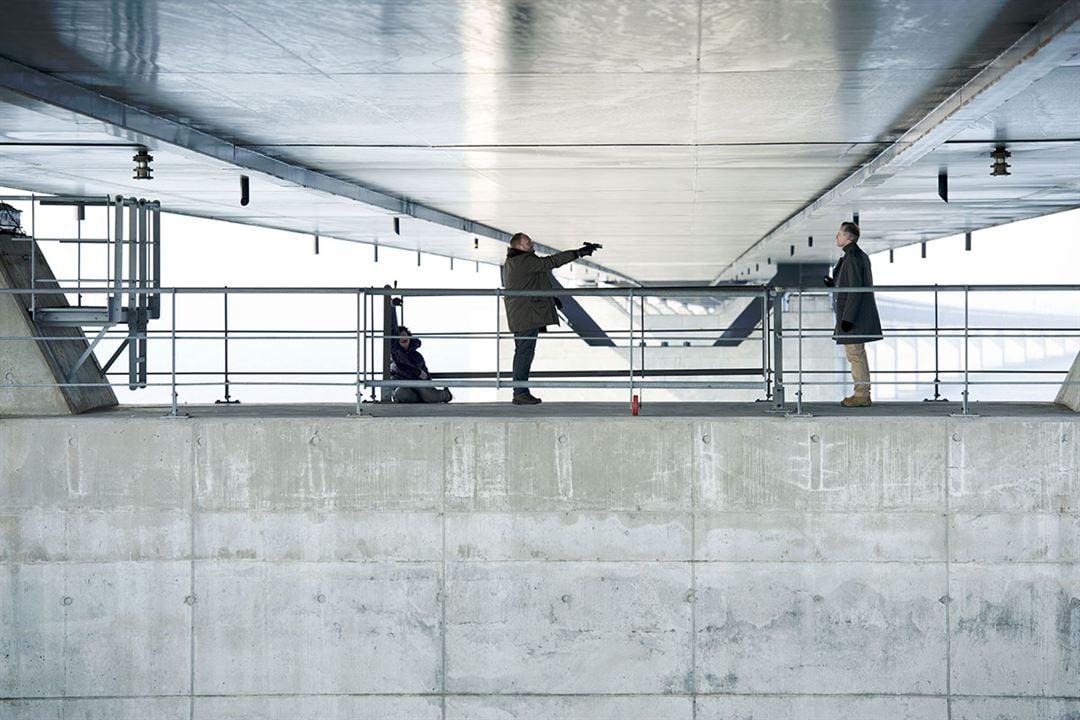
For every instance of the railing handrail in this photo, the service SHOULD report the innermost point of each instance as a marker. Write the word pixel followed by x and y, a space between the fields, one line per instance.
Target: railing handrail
pixel 734 290
pixel 370 334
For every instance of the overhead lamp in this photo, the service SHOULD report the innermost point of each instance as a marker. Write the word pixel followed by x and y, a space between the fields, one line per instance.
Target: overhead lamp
pixel 142 159
pixel 1000 167
pixel 10 220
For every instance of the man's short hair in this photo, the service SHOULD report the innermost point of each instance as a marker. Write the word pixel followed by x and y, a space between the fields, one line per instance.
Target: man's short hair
pixel 516 238
pixel 851 229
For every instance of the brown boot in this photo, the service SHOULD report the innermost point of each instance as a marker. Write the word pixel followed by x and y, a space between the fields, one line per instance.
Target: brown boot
pixel 856 401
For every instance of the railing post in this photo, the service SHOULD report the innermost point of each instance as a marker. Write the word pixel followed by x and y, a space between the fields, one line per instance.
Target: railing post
pixel 498 342
pixel 778 353
pixel 937 358
pixel 799 392
pixel 80 215
pixel 369 332
pixel 641 390
pixel 33 257
pixel 132 320
pixel 766 356
pixel 108 265
pixel 388 310
pixel 144 298
pixel 966 362
pixel 155 299
pixel 228 399
pixel 630 342
pixel 175 410
pixel 116 298
pixel 361 352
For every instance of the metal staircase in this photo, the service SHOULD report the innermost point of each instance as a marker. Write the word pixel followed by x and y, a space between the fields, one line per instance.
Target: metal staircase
pixel 127 297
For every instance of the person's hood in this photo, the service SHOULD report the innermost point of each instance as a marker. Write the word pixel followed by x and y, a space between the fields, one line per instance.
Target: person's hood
pixel 514 252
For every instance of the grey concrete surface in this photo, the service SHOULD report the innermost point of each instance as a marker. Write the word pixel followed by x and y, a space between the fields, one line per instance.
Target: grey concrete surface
pixel 816 707
pixel 95 708
pixel 591 566
pixel 21 363
pixel 1069 394
pixel 1016 709
pixel 34 360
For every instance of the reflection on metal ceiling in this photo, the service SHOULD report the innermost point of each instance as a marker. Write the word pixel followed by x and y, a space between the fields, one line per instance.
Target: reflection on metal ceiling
pixel 696 139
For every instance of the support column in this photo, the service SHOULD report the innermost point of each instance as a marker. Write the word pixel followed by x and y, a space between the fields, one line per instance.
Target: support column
pixel 1069 394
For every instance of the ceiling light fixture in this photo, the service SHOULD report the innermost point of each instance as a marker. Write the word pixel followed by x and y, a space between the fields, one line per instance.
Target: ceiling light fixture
pixel 142 159
pixel 10 220
pixel 1000 167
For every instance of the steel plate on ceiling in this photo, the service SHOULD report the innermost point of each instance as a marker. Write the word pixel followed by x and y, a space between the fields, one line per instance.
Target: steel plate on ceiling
pixel 678 134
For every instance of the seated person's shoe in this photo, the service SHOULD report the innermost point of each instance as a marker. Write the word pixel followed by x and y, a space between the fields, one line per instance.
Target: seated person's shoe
pixel 856 401
pixel 526 399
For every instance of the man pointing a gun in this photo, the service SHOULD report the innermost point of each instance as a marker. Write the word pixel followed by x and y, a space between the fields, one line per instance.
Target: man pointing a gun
pixel 526 316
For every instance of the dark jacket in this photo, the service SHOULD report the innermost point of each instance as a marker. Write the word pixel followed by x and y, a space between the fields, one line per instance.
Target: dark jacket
pixel 528 271
pixel 860 309
pixel 407 364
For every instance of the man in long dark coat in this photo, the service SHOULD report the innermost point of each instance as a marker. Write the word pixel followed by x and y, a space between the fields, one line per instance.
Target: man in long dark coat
pixel 857 321
pixel 526 316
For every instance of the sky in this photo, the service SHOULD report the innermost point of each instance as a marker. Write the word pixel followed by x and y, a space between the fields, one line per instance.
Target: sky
pixel 207 253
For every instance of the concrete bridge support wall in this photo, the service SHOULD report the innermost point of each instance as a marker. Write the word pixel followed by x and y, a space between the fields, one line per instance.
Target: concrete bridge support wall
pixel 620 568
pixel 1069 394
pixel 34 358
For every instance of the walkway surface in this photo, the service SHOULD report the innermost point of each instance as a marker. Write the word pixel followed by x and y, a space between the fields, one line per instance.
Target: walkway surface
pixel 506 410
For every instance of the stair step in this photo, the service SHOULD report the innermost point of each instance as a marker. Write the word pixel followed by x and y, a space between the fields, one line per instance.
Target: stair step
pixel 75 316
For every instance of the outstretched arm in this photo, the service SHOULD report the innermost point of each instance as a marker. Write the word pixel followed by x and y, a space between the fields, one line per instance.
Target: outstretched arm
pixel 394 327
pixel 535 263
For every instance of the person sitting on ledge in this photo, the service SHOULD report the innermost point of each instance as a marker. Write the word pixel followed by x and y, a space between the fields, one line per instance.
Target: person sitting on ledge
pixel 406 363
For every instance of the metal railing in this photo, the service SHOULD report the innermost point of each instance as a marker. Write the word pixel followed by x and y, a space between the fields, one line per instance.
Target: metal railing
pixel 127 237
pixel 964 334
pixel 369 336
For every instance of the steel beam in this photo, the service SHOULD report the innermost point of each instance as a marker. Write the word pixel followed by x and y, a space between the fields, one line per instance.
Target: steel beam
pixel 143 127
pixel 1044 48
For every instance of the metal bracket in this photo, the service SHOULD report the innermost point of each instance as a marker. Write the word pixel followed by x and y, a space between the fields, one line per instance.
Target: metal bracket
pixel 87 352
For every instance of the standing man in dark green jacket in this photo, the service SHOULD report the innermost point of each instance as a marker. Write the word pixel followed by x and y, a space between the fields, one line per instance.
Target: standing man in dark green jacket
pixel 526 316
pixel 857 321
